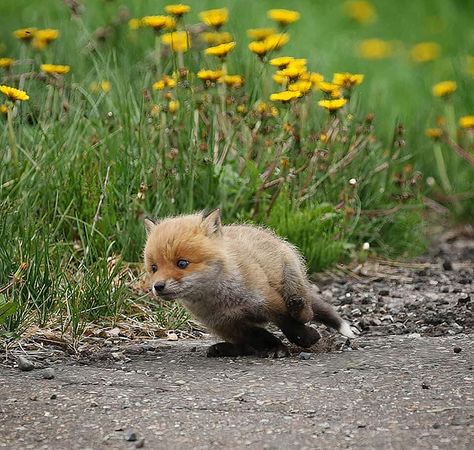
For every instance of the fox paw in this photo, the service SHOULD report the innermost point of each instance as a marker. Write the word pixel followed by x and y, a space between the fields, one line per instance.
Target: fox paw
pixel 308 337
pixel 222 349
pixel 275 353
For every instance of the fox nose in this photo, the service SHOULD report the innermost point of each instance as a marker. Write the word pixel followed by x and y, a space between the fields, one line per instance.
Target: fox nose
pixel 159 286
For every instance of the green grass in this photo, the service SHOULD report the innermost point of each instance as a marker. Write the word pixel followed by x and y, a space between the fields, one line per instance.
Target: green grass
pixel 82 169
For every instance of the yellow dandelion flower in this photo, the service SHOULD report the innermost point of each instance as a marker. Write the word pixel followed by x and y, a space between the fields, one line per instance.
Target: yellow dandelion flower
pixel 42 38
pixel 4 108
pixel 301 86
pixel 259 34
pixel 271 43
pixel 234 81
pixel 265 109
pixel 374 49
pixel 217 37
pixel 6 63
pixel 327 88
pixel 98 86
pixel 165 82
pixel 134 24
pixel 282 61
pixel 242 109
pixel 434 133
pixel 173 106
pixel 298 62
pixel 444 88
pixel 279 79
pixel 55 68
pixel 177 10
pixel 285 96
pixel 179 41
pixel 283 16
pixel 13 94
pixel 276 41
pixel 47 35
pixel 361 11
pixel 347 80
pixel 25 34
pixel 210 75
pixel 466 122
pixel 332 105
pixel 215 17
pixel 221 50
pixel 291 72
pixel 159 23
pixel 425 52
pixel 315 78
pixel 260 48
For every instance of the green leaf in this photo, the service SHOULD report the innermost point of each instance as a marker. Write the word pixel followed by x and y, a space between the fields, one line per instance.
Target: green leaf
pixel 7 309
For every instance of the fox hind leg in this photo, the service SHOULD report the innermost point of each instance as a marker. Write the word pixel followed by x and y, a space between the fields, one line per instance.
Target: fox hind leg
pixel 295 294
pixel 326 314
pixel 304 304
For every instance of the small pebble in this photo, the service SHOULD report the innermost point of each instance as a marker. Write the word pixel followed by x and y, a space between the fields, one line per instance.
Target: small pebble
pixel 24 364
pixel 447 265
pixel 304 355
pixel 172 337
pixel 140 443
pixel 457 349
pixel 425 385
pixel 131 436
pixel 48 374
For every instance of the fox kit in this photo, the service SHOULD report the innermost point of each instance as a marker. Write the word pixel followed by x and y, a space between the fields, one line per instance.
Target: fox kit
pixel 235 279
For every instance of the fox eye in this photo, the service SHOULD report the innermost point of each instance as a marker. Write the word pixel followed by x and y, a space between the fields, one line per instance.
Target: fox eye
pixel 182 263
pixel 154 268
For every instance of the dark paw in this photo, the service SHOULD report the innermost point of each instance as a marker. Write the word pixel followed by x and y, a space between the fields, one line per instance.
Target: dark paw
pixel 306 337
pixel 277 352
pixel 222 349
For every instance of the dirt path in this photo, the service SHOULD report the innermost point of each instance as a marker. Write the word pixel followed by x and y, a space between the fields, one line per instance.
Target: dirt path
pixel 396 392
pixel 406 382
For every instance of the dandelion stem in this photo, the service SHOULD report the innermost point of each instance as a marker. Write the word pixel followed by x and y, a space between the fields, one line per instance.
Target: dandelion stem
pixel 180 60
pixel 11 136
pixel 158 54
pixel 443 174
pixel 450 119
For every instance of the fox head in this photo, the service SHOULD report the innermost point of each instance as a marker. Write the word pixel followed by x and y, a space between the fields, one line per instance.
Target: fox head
pixel 183 255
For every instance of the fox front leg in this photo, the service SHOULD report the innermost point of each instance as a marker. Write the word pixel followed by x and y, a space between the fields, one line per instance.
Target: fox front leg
pixel 251 340
pixel 298 333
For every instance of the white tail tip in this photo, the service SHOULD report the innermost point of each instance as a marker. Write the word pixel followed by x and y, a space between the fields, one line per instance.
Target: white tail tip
pixel 346 330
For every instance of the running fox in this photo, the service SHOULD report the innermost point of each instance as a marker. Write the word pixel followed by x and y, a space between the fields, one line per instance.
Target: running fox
pixel 235 279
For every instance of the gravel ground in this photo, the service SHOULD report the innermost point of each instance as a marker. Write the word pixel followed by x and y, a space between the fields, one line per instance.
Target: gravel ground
pixel 406 382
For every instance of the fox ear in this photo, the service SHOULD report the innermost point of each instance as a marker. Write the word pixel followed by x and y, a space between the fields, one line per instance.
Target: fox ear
pixel 211 222
pixel 149 225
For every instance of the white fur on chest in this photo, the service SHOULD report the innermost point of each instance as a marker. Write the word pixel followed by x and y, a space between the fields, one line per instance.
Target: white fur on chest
pixel 228 302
